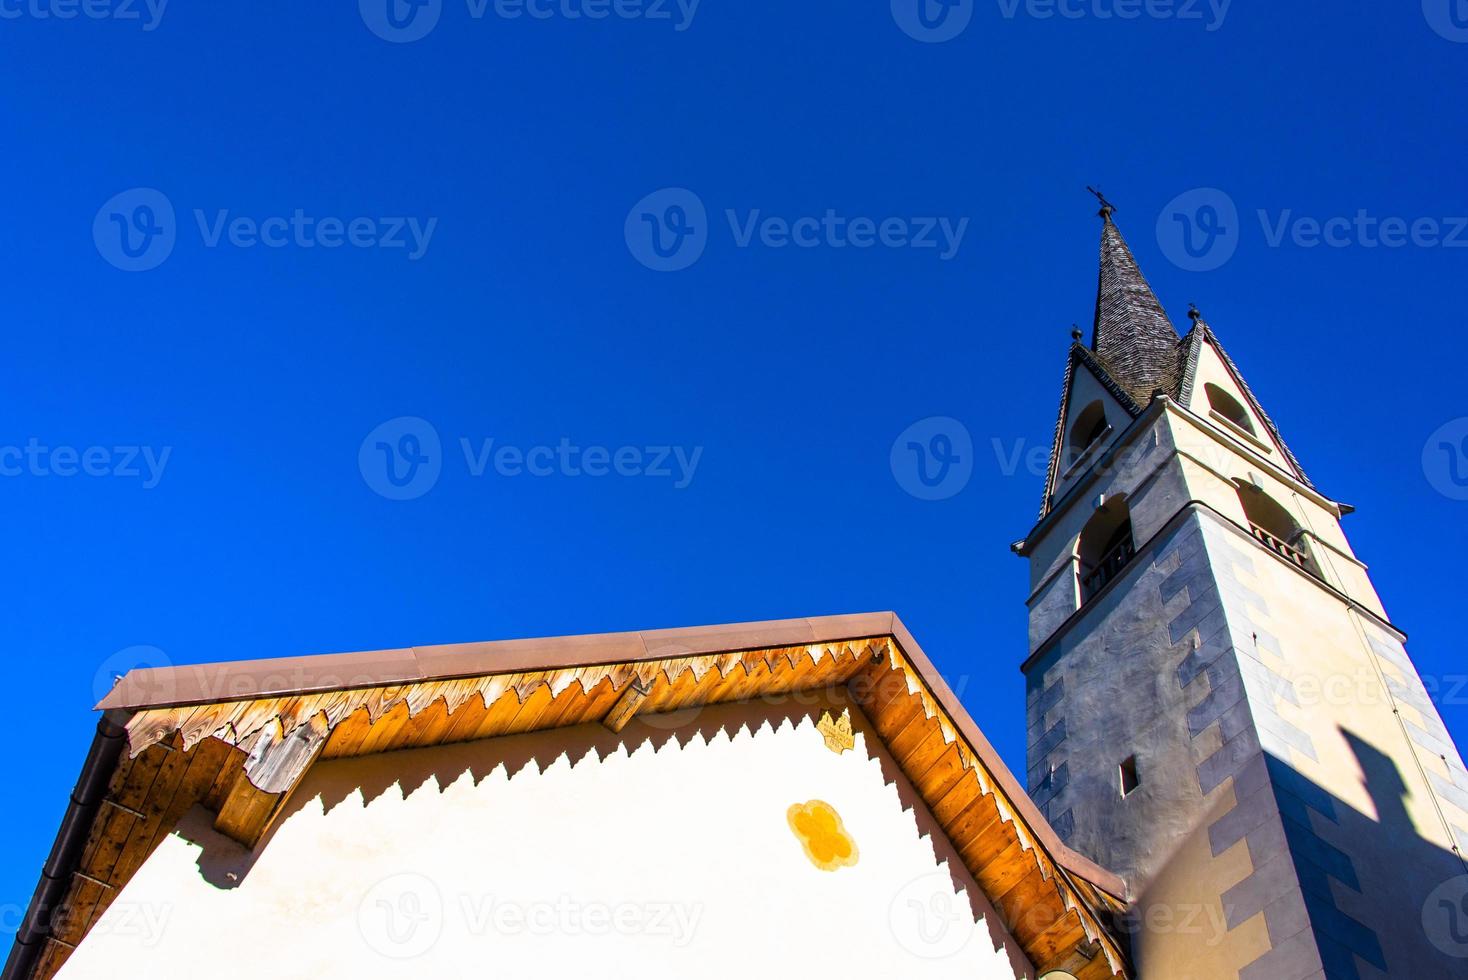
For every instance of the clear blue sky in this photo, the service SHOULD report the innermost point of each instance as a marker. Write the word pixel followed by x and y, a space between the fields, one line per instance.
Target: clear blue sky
pixel 528 319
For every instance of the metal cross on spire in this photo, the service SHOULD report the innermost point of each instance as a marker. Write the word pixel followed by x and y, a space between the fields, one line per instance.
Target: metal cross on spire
pixel 1107 208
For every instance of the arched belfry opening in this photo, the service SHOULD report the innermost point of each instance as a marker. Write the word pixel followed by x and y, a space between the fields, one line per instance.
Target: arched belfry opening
pixel 1275 527
pixel 1106 546
pixel 1229 407
pixel 1088 429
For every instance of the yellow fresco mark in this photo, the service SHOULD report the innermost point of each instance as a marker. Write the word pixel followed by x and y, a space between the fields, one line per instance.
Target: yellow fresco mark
pixel 837 732
pixel 820 831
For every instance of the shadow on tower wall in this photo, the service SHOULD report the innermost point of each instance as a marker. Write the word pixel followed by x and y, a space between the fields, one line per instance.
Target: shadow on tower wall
pixel 1381 900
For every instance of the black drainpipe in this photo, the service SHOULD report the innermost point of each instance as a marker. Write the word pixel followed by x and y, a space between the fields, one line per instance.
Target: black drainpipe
pixel 86 800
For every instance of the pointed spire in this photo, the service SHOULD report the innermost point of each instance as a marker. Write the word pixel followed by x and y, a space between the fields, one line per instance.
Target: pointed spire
pixel 1132 335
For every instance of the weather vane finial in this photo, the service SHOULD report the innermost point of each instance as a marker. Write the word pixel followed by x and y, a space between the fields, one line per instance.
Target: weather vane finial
pixel 1107 208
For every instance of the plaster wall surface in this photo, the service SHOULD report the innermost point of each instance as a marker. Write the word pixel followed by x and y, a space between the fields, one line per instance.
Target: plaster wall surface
pixel 664 852
pixel 1211 370
pixel 1212 464
pixel 1300 797
pixel 1127 679
pixel 1365 776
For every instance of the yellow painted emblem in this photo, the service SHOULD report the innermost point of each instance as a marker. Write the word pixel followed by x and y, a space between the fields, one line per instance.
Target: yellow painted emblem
pixel 820 831
pixel 837 732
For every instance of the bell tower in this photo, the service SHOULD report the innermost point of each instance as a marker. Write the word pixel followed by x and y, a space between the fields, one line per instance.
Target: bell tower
pixel 1219 708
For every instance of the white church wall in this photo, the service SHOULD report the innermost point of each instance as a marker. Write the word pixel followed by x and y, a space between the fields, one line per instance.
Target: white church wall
pixel 1212 371
pixel 1211 468
pixel 1121 683
pixel 1316 838
pixel 1361 753
pixel 665 852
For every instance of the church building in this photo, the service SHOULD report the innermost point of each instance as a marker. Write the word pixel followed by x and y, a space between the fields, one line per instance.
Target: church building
pixel 1234 770
pixel 1220 710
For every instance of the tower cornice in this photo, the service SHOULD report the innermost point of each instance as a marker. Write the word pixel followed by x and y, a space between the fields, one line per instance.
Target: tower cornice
pixel 1162 404
pixel 1190 507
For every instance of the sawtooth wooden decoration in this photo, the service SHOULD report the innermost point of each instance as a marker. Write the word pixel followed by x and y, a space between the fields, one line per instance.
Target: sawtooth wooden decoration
pixel 242 759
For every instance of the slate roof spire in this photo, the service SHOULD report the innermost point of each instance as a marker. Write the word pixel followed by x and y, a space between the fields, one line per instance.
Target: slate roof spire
pixel 1132 336
pixel 1136 353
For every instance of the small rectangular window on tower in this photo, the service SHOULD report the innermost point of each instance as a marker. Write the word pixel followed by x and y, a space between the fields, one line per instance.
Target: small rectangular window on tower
pixel 1129 778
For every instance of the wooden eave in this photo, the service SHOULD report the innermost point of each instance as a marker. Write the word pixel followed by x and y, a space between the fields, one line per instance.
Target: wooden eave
pixel 241 757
